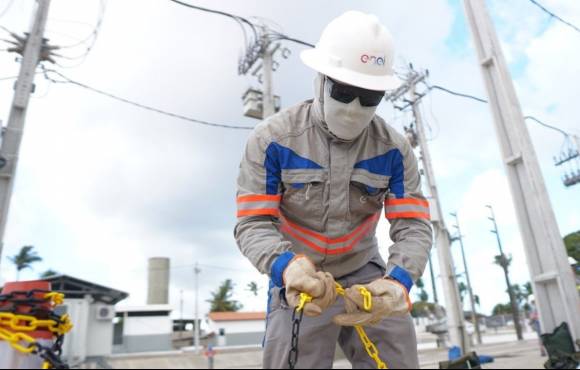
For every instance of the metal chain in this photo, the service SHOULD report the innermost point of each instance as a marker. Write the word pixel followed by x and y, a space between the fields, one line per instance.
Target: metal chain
pixel 298 315
pixel 296 321
pixel 14 325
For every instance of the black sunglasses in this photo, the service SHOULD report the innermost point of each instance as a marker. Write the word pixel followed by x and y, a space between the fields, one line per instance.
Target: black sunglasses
pixel 347 93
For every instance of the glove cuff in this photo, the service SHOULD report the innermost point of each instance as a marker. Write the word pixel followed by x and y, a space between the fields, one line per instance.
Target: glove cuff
pixel 279 266
pixel 402 276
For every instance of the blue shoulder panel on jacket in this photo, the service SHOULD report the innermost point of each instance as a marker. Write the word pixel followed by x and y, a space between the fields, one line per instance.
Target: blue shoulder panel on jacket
pixel 388 164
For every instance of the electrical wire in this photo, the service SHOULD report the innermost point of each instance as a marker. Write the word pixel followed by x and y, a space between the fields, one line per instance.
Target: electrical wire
pixel 552 127
pixel 281 36
pixel 8 78
pixel 233 16
pixel 90 40
pixel 553 15
pixel 566 134
pixel 437 87
pixel 66 80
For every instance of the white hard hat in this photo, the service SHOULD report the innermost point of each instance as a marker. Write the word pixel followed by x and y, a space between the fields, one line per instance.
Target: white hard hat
pixel 356 49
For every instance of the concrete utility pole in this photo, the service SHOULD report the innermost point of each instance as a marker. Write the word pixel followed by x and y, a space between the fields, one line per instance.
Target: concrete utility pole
pixel 454 310
pixel 474 317
pixel 196 323
pixel 552 277
pixel 267 91
pixel 455 320
pixel 504 263
pixel 12 136
pixel 433 285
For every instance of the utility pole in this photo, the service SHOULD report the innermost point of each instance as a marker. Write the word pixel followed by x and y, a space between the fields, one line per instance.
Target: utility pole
pixel 504 263
pixel 196 323
pixel 12 135
pixel 433 285
pixel 454 310
pixel 261 104
pixel 182 324
pixel 267 91
pixel 553 280
pixel 474 317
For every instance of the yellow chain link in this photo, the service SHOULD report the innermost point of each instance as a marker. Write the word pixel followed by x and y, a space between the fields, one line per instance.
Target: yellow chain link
pixel 370 347
pixel 55 298
pixel 304 298
pixel 26 323
pixel 367 299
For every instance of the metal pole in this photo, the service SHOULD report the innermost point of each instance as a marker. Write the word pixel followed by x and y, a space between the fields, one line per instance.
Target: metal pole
pixel 435 298
pixel 554 282
pixel 12 136
pixel 196 324
pixel 455 320
pixel 474 317
pixel 504 265
pixel 267 91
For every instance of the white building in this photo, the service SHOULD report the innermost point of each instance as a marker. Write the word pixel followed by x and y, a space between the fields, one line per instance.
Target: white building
pixel 237 328
pixel 143 329
pixel 92 309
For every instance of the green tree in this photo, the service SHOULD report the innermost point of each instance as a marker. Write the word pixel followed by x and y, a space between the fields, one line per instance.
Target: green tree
pixel 422 295
pixel 572 242
pixel 24 259
pixel 253 288
pixel 422 309
pixel 502 309
pixel 503 260
pixel 462 290
pixel 222 299
pixel 48 273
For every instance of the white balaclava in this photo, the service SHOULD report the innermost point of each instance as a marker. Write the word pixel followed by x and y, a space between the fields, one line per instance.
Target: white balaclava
pixel 345 121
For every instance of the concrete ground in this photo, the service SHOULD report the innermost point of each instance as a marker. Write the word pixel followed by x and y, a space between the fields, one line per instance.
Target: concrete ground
pixel 508 353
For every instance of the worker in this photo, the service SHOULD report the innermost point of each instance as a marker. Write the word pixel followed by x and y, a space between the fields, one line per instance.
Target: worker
pixel 312 185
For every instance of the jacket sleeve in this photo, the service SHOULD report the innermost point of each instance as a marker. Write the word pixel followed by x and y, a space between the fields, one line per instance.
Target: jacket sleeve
pixel 258 198
pixel 408 213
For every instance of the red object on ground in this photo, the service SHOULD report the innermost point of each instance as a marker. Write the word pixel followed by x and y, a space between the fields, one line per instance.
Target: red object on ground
pixel 27 286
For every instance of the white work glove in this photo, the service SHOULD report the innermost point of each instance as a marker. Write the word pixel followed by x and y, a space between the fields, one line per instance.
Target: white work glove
pixel 301 277
pixel 389 298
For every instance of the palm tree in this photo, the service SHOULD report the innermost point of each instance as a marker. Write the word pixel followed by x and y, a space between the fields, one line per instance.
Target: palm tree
pixel 24 259
pixel 253 288
pixel 222 299
pixel 47 274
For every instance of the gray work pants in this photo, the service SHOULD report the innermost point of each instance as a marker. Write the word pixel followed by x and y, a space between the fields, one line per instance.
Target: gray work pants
pixel 394 337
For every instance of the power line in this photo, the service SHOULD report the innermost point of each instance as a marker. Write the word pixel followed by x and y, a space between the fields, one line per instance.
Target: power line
pixel 219 12
pixel 91 39
pixel 281 36
pixel 481 100
pixel 67 80
pixel 437 87
pixel 566 134
pixel 551 14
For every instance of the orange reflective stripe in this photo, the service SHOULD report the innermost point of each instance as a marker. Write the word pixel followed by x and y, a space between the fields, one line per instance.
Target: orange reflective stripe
pixel 306 242
pixel 406 201
pixel 358 234
pixel 328 240
pixel 259 198
pixel 259 212
pixel 392 215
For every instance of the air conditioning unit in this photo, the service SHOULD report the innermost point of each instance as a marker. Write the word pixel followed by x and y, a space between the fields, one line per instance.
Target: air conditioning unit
pixel 105 313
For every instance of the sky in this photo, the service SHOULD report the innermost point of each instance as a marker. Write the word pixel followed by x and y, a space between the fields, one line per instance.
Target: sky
pixel 102 186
